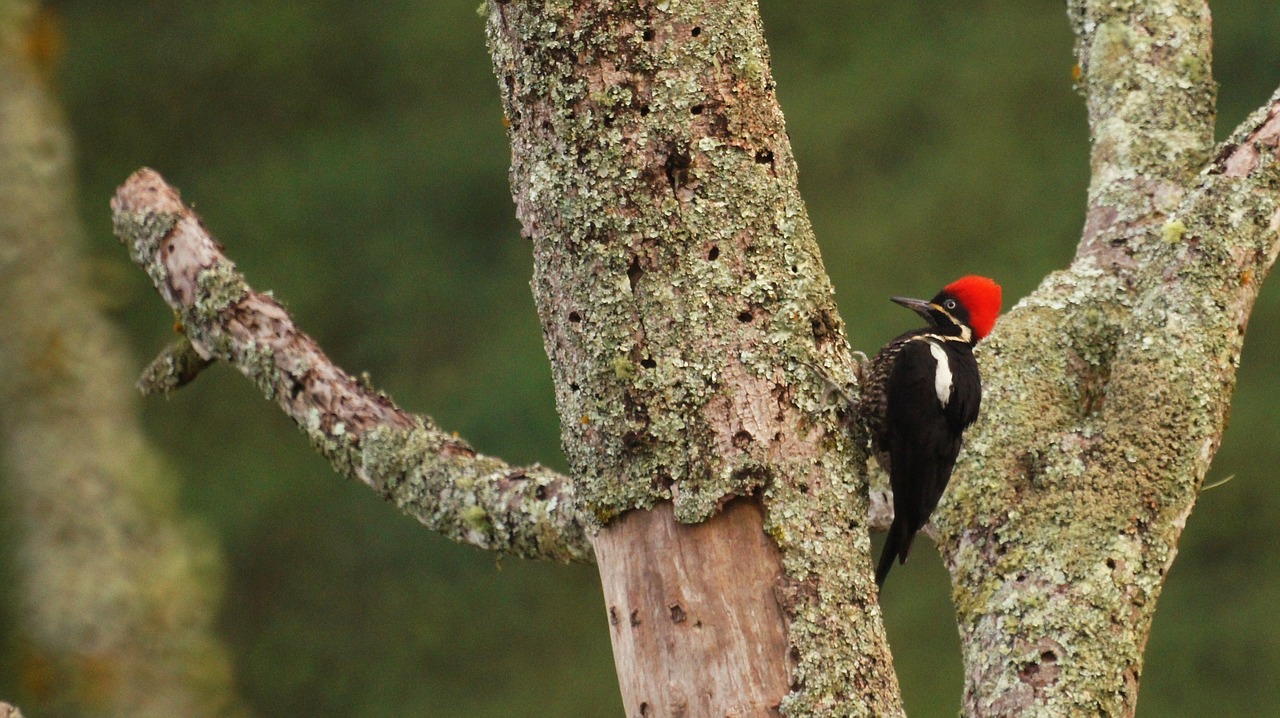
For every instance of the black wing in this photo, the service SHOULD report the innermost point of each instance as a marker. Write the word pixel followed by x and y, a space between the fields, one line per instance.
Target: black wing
pixel 923 438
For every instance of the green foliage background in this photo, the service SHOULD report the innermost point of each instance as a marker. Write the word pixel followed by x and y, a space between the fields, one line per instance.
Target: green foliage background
pixel 351 156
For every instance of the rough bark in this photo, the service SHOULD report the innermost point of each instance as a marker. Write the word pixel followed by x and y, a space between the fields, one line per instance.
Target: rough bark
pixel 428 473
pixel 116 591
pixel 684 307
pixel 1108 388
pixel 683 302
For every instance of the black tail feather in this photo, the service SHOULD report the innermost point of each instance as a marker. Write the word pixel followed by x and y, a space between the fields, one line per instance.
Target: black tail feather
pixel 896 546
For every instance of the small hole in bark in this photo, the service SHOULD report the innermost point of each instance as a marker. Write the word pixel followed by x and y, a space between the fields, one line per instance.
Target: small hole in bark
pixel 745 316
pixel 575 317
pixel 644 709
pixel 648 35
pixel 635 618
pixel 713 254
pixel 648 363
pixel 608 120
pixel 677 167
pixel 634 272
pixel 540 493
pixel 644 110
pixel 696 31
pixel 742 439
pixel 613 616
pixel 171 248
pixel 528 49
pixel 764 157
pixel 1111 564
pixel 1048 657
pixel 696 110
pixel 677 613
pixel 573 386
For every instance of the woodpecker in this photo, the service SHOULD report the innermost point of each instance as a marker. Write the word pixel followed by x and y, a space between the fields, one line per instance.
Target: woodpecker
pixel 922 391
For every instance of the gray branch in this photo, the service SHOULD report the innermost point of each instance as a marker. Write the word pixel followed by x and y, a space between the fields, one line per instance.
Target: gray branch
pixel 429 474
pixel 1108 388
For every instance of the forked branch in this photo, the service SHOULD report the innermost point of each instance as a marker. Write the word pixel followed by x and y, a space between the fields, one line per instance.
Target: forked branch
pixel 430 474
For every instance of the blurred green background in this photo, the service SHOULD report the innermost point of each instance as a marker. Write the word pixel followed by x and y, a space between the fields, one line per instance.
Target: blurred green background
pixel 352 159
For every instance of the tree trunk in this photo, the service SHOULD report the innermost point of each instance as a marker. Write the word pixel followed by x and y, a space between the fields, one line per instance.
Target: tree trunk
pixel 672 590
pixel 116 591
pixel 683 303
pixel 1108 388
pixel 689 323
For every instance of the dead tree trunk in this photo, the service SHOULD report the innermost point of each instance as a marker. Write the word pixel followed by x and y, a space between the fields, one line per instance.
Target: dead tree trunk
pixel 684 308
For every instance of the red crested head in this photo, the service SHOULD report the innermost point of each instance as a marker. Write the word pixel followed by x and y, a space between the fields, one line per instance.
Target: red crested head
pixel 981 299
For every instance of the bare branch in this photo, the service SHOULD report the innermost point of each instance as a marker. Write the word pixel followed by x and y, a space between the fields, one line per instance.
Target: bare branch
pixel 177 365
pixel 429 474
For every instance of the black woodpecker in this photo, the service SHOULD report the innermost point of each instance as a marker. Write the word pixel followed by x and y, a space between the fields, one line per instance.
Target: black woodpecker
pixel 922 391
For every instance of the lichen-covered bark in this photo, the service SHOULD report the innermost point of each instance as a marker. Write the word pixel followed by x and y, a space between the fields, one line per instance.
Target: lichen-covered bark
pixel 116 591
pixel 682 300
pixel 1107 389
pixel 685 308
pixel 428 473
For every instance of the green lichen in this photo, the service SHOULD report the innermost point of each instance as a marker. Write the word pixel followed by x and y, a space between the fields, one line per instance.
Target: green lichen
pixel 623 368
pixel 521 511
pixel 219 287
pixel 676 235
pixel 258 362
pixel 141 233
pixel 1069 499
pixel 177 365
pixel 476 518
pixel 1173 231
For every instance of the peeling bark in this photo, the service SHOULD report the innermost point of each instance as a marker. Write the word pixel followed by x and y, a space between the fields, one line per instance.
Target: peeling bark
pixel 674 600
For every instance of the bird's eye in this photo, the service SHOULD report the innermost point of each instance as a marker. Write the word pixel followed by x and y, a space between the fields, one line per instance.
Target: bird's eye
pixel 949 304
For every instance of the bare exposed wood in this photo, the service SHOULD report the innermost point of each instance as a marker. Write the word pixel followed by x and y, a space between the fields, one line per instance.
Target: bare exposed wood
pixel 680 598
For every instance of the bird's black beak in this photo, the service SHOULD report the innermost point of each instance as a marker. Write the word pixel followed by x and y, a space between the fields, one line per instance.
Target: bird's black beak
pixel 919 306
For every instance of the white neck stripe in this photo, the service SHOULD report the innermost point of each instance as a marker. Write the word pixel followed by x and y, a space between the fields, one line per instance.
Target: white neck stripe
pixel 942 378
